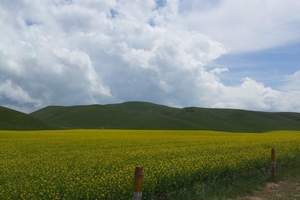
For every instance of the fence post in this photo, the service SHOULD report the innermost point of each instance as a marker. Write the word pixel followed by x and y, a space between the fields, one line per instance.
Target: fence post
pixel 273 164
pixel 138 182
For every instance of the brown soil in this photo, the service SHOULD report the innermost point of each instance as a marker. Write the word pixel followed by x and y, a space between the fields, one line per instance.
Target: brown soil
pixel 283 190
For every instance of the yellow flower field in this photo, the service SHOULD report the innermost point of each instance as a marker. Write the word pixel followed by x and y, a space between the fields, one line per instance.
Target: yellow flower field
pixel 99 164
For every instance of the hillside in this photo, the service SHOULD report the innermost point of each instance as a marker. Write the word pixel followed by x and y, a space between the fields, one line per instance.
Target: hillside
pixel 14 120
pixel 142 115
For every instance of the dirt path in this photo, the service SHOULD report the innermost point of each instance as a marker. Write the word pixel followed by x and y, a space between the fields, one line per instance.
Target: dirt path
pixel 283 190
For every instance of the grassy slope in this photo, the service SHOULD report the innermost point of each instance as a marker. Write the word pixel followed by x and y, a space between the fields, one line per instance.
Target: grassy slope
pixel 13 120
pixel 140 115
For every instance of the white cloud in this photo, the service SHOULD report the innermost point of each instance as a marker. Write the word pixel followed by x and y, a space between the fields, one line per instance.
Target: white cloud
pixel 255 96
pixel 292 82
pixel 101 51
pixel 19 99
pixel 247 25
pixel 249 95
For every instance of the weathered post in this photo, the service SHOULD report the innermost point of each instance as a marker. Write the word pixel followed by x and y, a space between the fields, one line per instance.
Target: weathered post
pixel 273 163
pixel 138 183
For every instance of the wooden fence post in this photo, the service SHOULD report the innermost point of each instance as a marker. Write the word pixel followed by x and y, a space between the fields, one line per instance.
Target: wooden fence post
pixel 138 182
pixel 273 164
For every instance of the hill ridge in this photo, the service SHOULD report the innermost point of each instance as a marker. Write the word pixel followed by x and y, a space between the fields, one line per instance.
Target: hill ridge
pixel 146 115
pixel 15 120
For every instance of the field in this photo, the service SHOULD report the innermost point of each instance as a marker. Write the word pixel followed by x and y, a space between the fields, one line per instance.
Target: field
pixel 99 164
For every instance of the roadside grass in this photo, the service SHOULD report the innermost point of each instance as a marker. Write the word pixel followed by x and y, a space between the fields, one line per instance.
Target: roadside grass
pixel 243 184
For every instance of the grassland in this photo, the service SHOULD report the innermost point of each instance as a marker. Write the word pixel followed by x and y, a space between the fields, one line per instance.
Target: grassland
pixel 14 120
pixel 149 116
pixel 99 164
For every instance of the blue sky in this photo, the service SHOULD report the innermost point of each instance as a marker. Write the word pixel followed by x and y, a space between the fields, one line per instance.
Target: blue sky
pixel 206 53
pixel 270 66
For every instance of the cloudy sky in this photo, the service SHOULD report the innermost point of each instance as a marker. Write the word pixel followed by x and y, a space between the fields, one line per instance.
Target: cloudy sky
pixel 208 53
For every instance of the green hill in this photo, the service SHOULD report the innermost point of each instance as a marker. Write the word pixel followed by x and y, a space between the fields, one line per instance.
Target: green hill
pixel 142 115
pixel 14 120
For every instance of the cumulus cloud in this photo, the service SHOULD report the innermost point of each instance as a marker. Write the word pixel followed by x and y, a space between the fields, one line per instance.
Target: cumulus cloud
pixel 14 93
pixel 89 51
pixel 244 25
pixel 292 82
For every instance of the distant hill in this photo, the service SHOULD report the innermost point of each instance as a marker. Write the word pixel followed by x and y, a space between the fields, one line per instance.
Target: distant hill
pixel 14 120
pixel 143 115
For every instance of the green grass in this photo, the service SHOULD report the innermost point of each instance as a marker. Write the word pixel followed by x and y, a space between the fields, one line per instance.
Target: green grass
pixel 147 116
pixel 14 120
pixel 94 164
pixel 143 115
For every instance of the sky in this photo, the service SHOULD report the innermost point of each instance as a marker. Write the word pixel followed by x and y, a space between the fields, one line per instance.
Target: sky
pixel 206 53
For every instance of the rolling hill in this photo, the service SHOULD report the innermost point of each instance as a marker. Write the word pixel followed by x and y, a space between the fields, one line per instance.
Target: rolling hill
pixel 14 120
pixel 143 115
